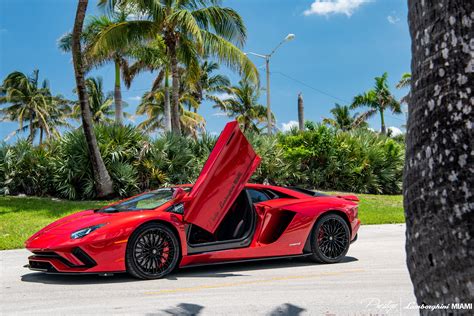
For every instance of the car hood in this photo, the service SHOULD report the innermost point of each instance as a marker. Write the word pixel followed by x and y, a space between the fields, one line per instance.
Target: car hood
pixel 60 231
pixel 72 223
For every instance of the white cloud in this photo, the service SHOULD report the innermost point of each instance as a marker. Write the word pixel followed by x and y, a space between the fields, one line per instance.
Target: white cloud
pixel 395 131
pixel 285 127
pixel 219 114
pixel 135 98
pixel 223 95
pixel 393 18
pixel 327 7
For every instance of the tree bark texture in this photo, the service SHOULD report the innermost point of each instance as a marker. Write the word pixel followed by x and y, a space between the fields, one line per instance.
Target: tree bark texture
pixel 439 170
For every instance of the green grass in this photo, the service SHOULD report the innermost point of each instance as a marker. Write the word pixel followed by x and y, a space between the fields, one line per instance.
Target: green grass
pixel 20 217
pixel 381 209
pixel 378 209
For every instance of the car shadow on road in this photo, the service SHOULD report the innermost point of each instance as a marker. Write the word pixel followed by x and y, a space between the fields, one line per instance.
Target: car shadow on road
pixel 233 269
pixel 210 271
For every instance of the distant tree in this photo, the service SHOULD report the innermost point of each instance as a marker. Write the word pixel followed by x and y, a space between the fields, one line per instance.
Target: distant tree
pixel 404 82
pixel 378 100
pixel 208 83
pixel 438 176
pixel 97 58
pixel 190 29
pixel 103 182
pixel 101 104
pixel 300 112
pixel 153 104
pixel 242 104
pixel 31 104
pixel 152 56
pixel 343 120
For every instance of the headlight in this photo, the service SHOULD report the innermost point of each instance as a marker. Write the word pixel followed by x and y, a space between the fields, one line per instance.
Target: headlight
pixel 85 231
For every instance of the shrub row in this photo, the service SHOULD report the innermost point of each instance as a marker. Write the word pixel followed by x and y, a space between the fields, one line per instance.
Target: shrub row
pixel 321 157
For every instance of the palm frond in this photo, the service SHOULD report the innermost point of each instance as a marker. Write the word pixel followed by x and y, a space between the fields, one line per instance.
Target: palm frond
pixel 230 55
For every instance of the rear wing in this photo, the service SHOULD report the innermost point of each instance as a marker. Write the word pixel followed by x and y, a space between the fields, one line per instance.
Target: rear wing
pixel 349 197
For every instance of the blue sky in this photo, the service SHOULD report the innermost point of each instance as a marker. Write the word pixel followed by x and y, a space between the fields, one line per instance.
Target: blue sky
pixel 340 46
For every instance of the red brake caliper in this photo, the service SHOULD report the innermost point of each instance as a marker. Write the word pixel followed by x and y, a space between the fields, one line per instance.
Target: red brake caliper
pixel 320 235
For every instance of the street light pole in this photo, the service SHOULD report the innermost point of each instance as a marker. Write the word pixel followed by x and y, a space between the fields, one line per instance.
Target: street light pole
pixel 267 57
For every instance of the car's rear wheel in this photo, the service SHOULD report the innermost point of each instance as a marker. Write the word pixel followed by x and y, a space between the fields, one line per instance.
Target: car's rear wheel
pixel 152 251
pixel 330 239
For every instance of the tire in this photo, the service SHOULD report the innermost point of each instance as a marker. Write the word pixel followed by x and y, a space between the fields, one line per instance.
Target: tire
pixel 330 239
pixel 153 251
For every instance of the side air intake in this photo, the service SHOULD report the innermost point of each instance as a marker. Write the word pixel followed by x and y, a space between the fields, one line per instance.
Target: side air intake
pixel 276 225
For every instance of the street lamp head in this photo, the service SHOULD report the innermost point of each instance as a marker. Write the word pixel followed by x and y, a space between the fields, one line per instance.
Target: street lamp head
pixel 290 37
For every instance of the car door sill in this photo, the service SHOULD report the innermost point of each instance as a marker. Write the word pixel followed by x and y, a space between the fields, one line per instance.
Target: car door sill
pixel 246 260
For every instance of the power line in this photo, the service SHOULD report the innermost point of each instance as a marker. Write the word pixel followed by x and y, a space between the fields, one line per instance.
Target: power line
pixel 323 92
pixel 307 85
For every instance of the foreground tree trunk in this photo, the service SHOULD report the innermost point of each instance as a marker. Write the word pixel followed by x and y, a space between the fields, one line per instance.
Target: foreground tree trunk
pixel 300 112
pixel 439 179
pixel 102 178
pixel 118 93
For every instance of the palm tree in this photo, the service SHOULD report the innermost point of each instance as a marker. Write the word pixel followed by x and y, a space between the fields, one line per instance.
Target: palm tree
pixel 153 104
pixel 404 82
pixel 102 178
pixel 243 105
pixel 208 83
pixel 343 119
pixel 378 99
pixel 59 111
pixel 101 104
pixel 32 105
pixel 438 175
pixel 152 57
pixel 118 56
pixel 300 112
pixel 189 29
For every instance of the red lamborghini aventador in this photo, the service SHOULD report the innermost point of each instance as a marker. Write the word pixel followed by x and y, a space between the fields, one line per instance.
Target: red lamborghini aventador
pixel 221 218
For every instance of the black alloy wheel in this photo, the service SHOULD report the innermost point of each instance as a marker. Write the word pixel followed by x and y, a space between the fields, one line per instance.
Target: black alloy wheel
pixel 152 251
pixel 330 239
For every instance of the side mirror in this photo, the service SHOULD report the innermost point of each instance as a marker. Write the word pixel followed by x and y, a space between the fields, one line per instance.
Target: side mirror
pixel 178 194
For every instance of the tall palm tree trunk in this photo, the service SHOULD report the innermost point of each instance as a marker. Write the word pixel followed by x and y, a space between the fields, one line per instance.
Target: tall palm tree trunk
pixel 31 136
pixel 438 176
pixel 300 112
pixel 175 124
pixel 382 122
pixel 118 93
pixel 41 136
pixel 167 105
pixel 102 178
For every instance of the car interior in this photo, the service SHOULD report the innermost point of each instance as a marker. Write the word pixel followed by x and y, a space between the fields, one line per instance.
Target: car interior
pixel 237 224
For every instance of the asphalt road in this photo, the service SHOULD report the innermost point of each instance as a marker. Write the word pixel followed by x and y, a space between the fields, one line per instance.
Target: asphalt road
pixel 372 280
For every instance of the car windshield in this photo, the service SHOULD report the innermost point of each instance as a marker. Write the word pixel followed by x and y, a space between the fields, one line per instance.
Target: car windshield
pixel 146 201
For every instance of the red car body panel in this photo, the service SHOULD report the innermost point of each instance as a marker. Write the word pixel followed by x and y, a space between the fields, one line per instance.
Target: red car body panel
pixel 229 166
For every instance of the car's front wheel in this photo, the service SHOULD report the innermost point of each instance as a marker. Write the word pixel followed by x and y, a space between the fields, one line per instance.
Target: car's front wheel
pixel 152 251
pixel 330 239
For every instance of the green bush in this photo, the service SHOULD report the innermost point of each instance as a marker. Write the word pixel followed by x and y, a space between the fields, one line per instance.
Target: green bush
pixel 320 157
pixel 357 161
